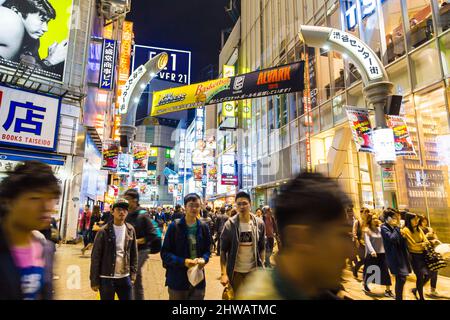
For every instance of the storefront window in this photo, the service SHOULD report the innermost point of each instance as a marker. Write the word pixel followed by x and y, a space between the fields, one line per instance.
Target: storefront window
pixel 339 114
pixel 353 74
pixel 393 26
pixel 292 103
pixel 284 137
pixel 444 15
pixel 444 44
pixel 295 159
pixel 420 22
pixel 398 75
pixel 304 128
pixel 283 109
pixel 294 131
pixel 323 76
pixel 264 134
pixel 326 117
pixel 425 69
pixel 338 72
pixel 432 120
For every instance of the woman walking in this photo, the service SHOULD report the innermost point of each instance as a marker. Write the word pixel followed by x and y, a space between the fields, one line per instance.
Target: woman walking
pixel 417 242
pixel 94 226
pixel 432 237
pixel 396 250
pixel 375 260
pixel 358 240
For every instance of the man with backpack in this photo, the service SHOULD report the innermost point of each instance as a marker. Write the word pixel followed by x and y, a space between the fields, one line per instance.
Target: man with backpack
pixel 148 238
pixel 186 247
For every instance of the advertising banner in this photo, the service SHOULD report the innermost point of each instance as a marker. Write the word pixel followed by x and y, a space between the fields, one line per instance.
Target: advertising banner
pixel 198 173
pixel 212 172
pixel 273 81
pixel 402 139
pixel 124 164
pixel 229 179
pixel 110 155
pixel 361 129
pixel 202 154
pixel 388 179
pixel 171 187
pixel 108 65
pixel 43 45
pixel 140 156
pixel 28 120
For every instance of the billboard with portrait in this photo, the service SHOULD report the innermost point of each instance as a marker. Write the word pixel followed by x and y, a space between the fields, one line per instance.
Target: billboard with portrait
pixel 36 32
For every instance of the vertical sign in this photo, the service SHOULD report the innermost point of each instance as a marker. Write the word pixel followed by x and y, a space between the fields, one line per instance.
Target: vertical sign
pixel 125 57
pixel 229 107
pixel 108 65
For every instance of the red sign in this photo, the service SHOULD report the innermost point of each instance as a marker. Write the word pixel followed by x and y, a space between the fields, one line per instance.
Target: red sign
pixel 229 180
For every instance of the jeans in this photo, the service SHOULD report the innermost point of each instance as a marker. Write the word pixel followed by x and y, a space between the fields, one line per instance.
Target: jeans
pixel 85 235
pixel 123 288
pixel 269 250
pixel 399 284
pixel 138 287
pixel 433 278
pixel 191 294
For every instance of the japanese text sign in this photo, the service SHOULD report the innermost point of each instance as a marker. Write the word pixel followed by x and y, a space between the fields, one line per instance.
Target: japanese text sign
pixel 108 65
pixel 28 120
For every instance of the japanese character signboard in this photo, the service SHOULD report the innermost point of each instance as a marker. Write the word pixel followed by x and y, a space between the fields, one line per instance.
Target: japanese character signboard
pixel 28 120
pixel 360 51
pixel 108 65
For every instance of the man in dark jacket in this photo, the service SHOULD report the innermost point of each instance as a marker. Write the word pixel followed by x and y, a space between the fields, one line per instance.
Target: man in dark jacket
pixel 114 257
pixel 271 232
pixel 28 197
pixel 242 244
pixel 186 245
pixel 178 214
pixel 221 219
pixel 146 234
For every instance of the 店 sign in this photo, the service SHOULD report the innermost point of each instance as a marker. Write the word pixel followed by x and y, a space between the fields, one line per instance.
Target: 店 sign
pixel 359 49
pixel 278 80
pixel 28 120
pixel 108 64
pixel 178 68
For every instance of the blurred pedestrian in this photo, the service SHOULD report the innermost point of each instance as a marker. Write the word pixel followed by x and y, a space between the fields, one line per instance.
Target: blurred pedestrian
pixel 396 250
pixel 178 214
pixel 186 247
pixel 221 219
pixel 114 258
pixel 94 226
pixel 358 240
pixel 259 213
pixel 242 244
pixel 310 212
pixel 375 258
pixel 84 223
pixel 432 237
pixel 417 242
pixel 271 232
pixel 28 197
pixel 146 234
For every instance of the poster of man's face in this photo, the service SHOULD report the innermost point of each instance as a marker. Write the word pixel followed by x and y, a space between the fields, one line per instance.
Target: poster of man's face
pixel 35 33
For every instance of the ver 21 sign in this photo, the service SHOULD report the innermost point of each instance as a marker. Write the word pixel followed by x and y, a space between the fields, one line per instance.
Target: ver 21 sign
pixel 178 69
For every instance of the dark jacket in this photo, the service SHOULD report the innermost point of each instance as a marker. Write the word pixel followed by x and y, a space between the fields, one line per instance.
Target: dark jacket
pixel 177 215
pixel 175 250
pixel 221 219
pixel 397 256
pixel 229 241
pixel 103 258
pixel 143 226
pixel 10 285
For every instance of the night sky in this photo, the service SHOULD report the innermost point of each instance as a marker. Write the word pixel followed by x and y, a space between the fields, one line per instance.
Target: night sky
pixel 193 25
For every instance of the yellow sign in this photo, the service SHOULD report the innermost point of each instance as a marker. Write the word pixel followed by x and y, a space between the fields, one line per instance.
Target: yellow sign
pixel 187 97
pixel 228 71
pixel 246 110
pixel 124 58
pixel 153 152
pixel 229 109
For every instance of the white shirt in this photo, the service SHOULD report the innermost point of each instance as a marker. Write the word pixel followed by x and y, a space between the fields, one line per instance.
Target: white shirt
pixel 245 260
pixel 120 233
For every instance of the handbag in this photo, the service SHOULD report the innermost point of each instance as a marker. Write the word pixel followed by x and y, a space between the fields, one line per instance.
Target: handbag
pixel 228 293
pixel 433 260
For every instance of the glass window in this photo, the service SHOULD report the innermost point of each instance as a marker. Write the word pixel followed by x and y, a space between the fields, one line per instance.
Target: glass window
pixel 444 44
pixel 323 76
pixel 338 72
pixel 326 117
pixel 284 137
pixel 425 68
pixel 292 103
pixel 334 20
pixel 315 120
pixel 420 22
pixel 277 110
pixel 304 127
pixel 353 74
pixel 371 32
pixel 284 109
pixel 295 159
pixel 355 97
pixel 444 15
pixel 95 57
pixel 294 131
pixel 270 114
pixel 393 26
pixel 339 114
pixel 309 10
pixel 303 150
pixel 398 75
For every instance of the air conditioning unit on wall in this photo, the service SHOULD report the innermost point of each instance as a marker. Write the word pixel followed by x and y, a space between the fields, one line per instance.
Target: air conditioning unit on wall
pixel 111 9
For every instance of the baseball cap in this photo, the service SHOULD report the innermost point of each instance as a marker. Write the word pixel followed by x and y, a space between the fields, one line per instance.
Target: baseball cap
pixel 120 204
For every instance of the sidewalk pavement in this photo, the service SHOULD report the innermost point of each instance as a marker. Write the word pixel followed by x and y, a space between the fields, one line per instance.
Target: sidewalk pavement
pixel 72 268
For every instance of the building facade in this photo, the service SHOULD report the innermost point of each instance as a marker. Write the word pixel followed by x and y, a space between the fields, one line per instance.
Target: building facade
pixel 305 130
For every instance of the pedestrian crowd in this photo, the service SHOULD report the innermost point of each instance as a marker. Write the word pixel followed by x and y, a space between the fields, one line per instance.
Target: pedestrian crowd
pixel 296 249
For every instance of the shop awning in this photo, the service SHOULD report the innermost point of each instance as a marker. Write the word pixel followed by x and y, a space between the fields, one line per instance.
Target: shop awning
pixel 19 155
